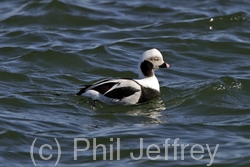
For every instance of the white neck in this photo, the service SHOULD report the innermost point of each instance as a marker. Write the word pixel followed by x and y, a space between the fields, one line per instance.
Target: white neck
pixel 149 82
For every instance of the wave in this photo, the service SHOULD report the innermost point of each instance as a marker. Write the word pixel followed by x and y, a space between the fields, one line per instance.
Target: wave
pixel 223 95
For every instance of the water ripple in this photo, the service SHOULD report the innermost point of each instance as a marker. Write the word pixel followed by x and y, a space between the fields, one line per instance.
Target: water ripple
pixel 50 48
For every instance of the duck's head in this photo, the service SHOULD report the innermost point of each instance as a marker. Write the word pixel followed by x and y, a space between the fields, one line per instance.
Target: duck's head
pixel 150 61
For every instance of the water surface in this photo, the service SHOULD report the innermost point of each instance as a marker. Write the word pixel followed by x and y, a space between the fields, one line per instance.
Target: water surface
pixel 49 48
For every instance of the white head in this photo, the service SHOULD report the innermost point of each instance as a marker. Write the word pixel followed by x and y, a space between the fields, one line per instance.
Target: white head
pixel 150 61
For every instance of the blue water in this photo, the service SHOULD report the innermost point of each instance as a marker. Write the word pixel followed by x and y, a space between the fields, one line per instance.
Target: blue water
pixel 49 48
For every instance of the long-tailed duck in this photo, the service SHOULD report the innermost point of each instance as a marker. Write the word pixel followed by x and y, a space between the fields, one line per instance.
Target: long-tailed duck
pixel 130 91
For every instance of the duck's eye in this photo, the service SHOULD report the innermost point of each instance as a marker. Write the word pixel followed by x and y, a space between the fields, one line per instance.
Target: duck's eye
pixel 155 59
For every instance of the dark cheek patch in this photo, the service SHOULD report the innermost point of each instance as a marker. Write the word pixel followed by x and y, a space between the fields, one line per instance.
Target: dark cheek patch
pixel 146 68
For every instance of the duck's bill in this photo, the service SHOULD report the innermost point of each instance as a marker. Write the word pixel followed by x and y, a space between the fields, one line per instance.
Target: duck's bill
pixel 164 65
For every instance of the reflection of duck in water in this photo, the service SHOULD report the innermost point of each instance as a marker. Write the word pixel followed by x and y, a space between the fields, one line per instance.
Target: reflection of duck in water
pixel 130 91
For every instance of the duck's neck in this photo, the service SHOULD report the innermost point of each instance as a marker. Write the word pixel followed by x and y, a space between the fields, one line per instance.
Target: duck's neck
pixel 142 76
pixel 149 82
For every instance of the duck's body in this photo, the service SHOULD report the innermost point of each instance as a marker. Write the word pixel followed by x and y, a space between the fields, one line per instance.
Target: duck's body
pixel 119 91
pixel 129 91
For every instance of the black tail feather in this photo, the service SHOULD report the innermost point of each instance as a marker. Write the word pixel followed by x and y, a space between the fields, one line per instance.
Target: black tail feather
pixel 82 90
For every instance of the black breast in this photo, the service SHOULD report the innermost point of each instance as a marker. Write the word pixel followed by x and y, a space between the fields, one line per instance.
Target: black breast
pixel 147 94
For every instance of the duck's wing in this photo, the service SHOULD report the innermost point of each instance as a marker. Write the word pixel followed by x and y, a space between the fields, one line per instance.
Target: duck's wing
pixel 113 88
pixel 123 88
pixel 101 86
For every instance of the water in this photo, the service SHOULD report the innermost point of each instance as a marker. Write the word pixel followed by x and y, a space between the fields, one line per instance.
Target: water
pixel 49 48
